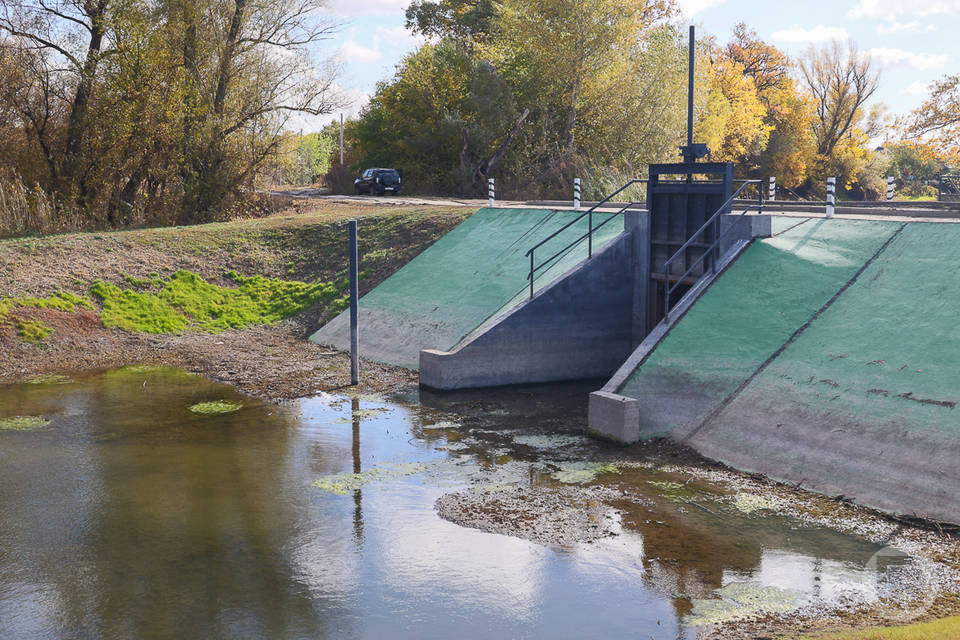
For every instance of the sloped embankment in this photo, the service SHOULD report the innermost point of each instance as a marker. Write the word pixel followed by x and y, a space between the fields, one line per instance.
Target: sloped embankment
pixel 231 300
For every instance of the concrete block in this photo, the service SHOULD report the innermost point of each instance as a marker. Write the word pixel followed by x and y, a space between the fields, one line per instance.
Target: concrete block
pixel 762 226
pixel 433 372
pixel 614 417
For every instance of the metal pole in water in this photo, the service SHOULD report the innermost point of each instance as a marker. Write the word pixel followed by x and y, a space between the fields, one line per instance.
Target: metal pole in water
pixel 491 192
pixel 831 196
pixel 891 189
pixel 773 189
pixel 354 306
pixel 576 194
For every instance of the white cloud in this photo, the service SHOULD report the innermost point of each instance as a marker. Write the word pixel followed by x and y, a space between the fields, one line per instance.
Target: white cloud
pixel 353 51
pixel 914 26
pixel 354 9
pixel 690 8
pixel 919 61
pixel 890 9
pixel 399 37
pixel 819 33
pixel 918 88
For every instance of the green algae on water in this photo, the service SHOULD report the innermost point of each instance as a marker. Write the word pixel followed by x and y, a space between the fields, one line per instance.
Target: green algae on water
pixel 750 502
pixel 666 485
pixel 48 379
pixel 740 601
pixel 342 484
pixel 555 441
pixel 23 423
pixel 216 407
pixel 359 415
pixel 581 472
pixel 443 425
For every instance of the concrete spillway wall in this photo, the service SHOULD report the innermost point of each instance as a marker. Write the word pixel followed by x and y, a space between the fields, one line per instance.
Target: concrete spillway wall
pixel 827 356
pixel 579 326
pixel 462 283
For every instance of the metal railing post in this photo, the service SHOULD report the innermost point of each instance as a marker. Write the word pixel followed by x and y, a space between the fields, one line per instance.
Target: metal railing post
pixel 590 234
pixel 666 291
pixel 531 274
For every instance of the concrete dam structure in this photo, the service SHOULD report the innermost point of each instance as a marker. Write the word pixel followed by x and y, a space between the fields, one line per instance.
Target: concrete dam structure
pixel 818 352
pixel 825 356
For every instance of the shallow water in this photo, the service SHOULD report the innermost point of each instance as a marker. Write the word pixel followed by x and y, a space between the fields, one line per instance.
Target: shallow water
pixel 131 516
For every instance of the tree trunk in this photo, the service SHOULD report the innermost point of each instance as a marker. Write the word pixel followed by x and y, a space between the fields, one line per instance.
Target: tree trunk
pixel 77 122
pixel 489 167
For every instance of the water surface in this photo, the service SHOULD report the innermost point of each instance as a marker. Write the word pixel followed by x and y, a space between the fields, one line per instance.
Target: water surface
pixel 129 516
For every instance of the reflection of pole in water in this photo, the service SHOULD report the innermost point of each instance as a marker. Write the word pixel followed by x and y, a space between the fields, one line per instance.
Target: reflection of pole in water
pixel 357 493
pixel 818 578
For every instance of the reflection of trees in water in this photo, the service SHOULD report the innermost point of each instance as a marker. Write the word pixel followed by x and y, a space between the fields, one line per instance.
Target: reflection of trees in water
pixel 183 533
pixel 689 553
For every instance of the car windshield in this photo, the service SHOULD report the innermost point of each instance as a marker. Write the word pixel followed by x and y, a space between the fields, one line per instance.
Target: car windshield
pixel 368 173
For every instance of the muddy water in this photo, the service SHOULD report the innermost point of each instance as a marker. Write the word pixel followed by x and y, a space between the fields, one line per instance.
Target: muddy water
pixel 129 516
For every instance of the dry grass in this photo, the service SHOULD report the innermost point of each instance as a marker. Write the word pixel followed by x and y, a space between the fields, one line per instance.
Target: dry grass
pixel 945 629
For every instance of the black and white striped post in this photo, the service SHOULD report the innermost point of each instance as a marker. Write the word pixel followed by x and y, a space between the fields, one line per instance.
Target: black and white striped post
pixel 831 196
pixel 576 194
pixel 491 192
pixel 772 192
pixel 891 188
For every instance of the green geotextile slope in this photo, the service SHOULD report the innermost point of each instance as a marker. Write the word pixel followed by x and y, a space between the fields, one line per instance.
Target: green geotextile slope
pixel 775 287
pixel 828 356
pixel 890 345
pixel 476 272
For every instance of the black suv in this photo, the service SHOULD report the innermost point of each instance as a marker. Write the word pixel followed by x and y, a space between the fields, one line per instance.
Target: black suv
pixel 378 182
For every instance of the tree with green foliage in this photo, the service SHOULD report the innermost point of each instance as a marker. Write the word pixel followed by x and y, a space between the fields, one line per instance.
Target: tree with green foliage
pixel 938 118
pixel 126 110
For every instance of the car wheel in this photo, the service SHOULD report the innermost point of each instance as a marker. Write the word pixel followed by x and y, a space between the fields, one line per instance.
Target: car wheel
pixel 356 190
pixel 380 191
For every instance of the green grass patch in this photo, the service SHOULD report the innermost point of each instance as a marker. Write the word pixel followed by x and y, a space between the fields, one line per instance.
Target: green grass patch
pixel 61 301
pixel 140 312
pixel 216 407
pixel 32 330
pixel 945 629
pixel 187 301
pixel 23 423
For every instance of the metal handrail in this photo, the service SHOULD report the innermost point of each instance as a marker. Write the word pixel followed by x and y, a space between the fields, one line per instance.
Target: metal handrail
pixel 795 194
pixel 588 236
pixel 712 248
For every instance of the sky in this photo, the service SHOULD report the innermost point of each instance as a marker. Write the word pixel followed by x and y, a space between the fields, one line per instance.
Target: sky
pixel 913 42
